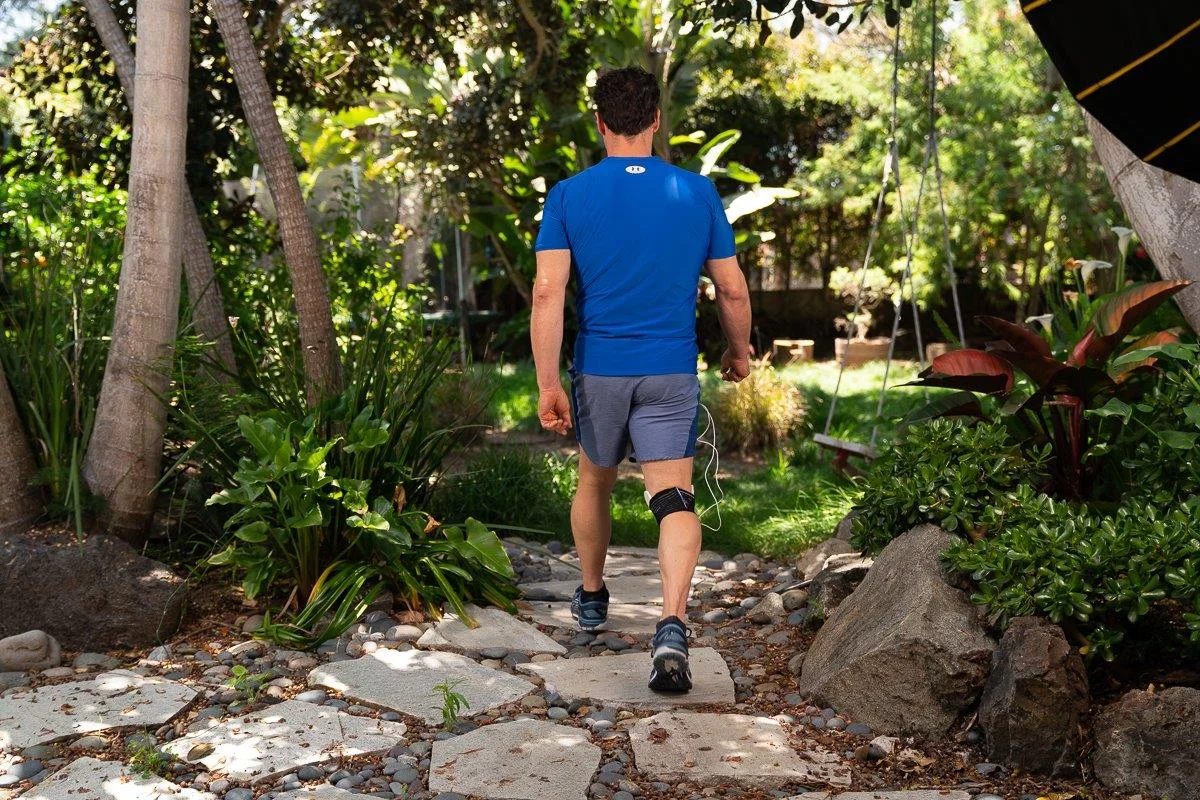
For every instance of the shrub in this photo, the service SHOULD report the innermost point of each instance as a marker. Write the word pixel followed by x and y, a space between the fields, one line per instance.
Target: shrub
pixel 307 511
pixel 511 486
pixel 759 413
pixel 460 401
pixel 1098 575
pixel 947 472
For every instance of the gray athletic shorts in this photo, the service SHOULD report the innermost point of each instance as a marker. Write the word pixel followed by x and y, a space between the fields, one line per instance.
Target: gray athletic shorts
pixel 648 417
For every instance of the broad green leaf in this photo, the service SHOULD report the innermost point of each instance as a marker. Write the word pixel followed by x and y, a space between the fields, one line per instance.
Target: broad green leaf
pixel 253 532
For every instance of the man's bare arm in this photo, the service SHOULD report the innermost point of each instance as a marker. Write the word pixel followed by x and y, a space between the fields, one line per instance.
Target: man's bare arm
pixel 733 310
pixel 546 334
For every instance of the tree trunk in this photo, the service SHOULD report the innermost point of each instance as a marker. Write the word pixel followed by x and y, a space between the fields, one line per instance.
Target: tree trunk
pixel 124 458
pixel 1163 208
pixel 208 307
pixel 300 251
pixel 19 501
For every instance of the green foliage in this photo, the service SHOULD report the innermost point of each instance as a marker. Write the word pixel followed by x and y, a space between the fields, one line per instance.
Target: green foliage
pixel 868 291
pixel 60 252
pixel 1100 575
pixel 145 759
pixel 247 685
pixel 463 394
pixel 308 510
pixel 511 486
pixel 946 472
pixel 452 702
pixel 761 412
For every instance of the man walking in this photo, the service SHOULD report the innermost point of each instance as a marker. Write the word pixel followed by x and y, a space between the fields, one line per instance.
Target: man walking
pixel 639 231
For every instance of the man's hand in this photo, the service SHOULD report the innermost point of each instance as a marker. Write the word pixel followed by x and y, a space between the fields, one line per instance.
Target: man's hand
pixel 733 368
pixel 554 410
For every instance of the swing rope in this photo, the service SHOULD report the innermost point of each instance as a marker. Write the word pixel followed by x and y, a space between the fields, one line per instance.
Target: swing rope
pixel 910 234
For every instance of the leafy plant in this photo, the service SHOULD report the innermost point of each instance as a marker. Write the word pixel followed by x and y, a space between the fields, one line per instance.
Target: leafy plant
pixel 868 291
pixel 1049 404
pixel 761 412
pixel 247 685
pixel 308 511
pixel 145 759
pixel 453 702
pixel 948 472
pixel 1098 575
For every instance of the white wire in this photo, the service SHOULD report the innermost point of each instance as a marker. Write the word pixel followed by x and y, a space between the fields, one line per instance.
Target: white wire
pixel 718 495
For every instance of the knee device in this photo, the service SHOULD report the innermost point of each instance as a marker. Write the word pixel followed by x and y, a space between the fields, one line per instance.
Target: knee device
pixel 668 501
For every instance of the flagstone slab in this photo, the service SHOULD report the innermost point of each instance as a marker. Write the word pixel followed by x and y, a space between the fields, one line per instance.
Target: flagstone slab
pixel 268 743
pixel 92 779
pixel 403 681
pixel 621 589
pixel 614 564
pixel 753 751
pixel 899 794
pixel 117 699
pixel 621 680
pixel 632 618
pixel 497 628
pixel 522 760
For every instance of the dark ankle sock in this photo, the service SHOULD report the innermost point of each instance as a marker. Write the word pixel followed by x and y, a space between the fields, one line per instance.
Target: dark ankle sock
pixel 662 622
pixel 599 594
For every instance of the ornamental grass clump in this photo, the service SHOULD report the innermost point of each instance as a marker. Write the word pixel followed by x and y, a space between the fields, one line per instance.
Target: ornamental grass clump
pixel 757 414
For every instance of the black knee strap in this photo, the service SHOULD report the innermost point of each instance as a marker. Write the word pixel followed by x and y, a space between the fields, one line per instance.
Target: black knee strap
pixel 668 501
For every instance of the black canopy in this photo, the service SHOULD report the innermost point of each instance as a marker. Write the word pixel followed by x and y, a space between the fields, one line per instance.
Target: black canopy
pixel 1135 65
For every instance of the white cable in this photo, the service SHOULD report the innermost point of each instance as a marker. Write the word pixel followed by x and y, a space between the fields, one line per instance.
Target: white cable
pixel 714 463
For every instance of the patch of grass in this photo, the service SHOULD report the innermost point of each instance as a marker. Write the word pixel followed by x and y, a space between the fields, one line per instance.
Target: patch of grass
pixel 145 759
pixel 247 685
pixel 514 404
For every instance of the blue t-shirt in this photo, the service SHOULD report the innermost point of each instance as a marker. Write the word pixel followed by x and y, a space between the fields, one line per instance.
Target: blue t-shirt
pixel 639 231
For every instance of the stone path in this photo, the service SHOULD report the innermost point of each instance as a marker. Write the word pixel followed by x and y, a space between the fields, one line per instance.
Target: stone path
pixel 551 714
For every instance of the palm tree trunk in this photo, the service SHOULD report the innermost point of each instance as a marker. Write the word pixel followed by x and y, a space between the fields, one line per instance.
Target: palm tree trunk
pixel 1163 208
pixel 300 252
pixel 19 501
pixel 124 458
pixel 208 307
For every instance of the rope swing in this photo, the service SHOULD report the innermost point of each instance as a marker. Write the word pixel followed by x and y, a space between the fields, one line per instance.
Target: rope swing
pixel 842 448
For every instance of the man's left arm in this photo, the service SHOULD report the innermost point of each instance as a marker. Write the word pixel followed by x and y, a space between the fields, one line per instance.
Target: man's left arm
pixel 546 335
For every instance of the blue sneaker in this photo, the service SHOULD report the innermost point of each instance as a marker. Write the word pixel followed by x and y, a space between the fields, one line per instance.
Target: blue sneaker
pixel 671 672
pixel 590 609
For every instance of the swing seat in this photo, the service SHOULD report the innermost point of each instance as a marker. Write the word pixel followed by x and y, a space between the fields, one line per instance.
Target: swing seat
pixel 842 450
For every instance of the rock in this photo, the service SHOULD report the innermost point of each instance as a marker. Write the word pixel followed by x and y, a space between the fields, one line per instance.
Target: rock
pixel 403 633
pixel 521 760
pixel 269 743
pixel 845 528
pixel 835 582
pixel 252 623
pixel 95 594
pixel 96 660
pixel 322 791
pixel 90 744
pixel 812 560
pixel 752 751
pixel 910 794
pixel 10 680
pixel 1146 742
pixel 1034 698
pixel 28 650
pixel 796 663
pixel 793 599
pixel 620 680
pixel 404 681
pixel 118 699
pixel 114 780
pixel 905 653
pixel 767 609
pixel 498 632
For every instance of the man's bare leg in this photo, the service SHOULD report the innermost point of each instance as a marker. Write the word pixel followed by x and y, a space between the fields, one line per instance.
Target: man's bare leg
pixel 678 537
pixel 591 519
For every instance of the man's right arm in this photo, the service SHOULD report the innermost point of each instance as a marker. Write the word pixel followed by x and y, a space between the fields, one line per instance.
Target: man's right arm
pixel 733 309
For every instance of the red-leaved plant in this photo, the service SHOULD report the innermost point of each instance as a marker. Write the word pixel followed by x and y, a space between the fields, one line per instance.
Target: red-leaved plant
pixel 1050 407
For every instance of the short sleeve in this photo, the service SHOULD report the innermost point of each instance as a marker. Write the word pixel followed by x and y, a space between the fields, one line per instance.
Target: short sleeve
pixel 720 240
pixel 552 233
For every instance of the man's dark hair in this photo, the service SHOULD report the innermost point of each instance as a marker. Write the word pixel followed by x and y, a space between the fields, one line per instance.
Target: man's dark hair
pixel 626 99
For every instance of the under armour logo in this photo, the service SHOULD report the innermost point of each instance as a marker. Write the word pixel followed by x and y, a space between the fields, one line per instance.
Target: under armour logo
pixel 635 169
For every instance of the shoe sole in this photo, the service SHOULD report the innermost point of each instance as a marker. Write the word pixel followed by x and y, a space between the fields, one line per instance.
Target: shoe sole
pixel 671 673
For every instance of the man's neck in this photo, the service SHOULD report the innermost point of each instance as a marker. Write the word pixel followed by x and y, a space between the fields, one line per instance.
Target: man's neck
pixel 629 147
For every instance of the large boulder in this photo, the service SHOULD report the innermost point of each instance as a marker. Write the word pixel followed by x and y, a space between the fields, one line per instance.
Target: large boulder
pixel 840 576
pixel 812 560
pixel 1148 742
pixel 1034 698
pixel 905 653
pixel 94 594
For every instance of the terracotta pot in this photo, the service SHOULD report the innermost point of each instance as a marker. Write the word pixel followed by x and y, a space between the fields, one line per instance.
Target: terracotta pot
pixel 790 351
pixel 856 352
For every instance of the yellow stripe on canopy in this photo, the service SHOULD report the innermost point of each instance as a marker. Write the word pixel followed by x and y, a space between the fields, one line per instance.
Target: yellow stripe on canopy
pixel 1035 4
pixel 1188 132
pixel 1138 61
